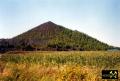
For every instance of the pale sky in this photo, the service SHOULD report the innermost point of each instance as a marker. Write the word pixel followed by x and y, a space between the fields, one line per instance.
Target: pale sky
pixel 97 18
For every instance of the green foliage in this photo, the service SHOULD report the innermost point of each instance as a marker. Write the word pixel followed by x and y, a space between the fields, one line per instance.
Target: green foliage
pixel 50 36
pixel 98 59
pixel 74 40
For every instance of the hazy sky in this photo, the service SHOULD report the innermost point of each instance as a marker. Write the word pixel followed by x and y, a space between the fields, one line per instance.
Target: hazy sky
pixel 97 18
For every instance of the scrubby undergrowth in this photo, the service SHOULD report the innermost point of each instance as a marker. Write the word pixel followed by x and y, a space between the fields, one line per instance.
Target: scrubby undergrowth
pixel 58 66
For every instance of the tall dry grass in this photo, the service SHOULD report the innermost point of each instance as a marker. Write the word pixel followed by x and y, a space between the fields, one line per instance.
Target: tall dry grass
pixel 58 66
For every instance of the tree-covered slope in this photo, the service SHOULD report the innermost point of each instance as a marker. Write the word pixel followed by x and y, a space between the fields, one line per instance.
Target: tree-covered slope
pixel 50 36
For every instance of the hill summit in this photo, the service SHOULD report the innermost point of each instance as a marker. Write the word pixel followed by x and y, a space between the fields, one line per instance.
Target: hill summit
pixel 50 36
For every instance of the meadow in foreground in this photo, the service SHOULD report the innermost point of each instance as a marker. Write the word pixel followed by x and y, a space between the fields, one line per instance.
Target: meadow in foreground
pixel 58 66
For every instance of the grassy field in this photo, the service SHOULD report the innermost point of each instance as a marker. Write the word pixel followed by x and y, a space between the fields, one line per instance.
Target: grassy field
pixel 58 66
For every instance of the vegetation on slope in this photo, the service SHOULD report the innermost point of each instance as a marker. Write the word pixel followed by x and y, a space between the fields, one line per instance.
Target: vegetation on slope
pixel 49 36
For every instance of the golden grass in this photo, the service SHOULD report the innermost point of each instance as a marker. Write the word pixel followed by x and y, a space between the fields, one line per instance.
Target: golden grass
pixel 58 66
